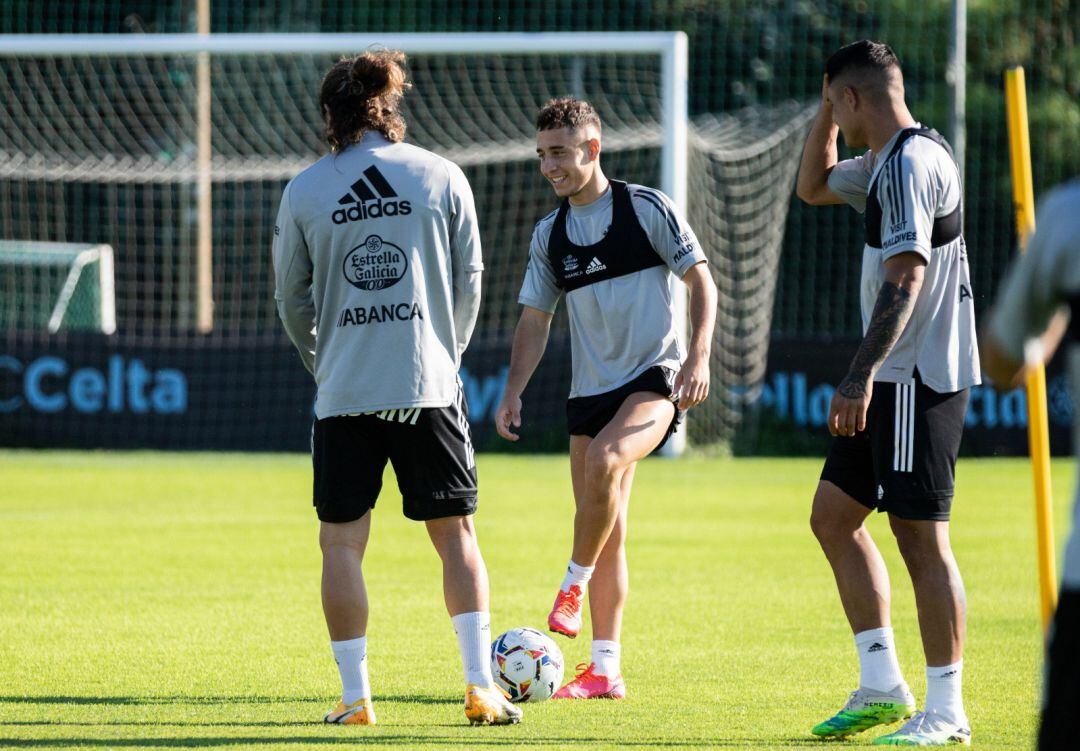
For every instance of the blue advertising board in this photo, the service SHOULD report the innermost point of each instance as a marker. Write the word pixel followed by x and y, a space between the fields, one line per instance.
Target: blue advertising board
pixel 95 391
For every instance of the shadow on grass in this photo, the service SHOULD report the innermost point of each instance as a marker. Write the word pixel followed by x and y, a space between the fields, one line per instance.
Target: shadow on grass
pixel 395 740
pixel 144 700
pixel 209 700
pixel 376 736
pixel 153 724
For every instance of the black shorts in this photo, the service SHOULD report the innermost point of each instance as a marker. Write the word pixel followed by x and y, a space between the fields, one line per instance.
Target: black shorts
pixel 1062 685
pixel 904 462
pixel 430 448
pixel 587 415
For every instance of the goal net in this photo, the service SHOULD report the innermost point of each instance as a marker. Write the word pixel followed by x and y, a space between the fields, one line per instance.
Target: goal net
pixel 742 168
pixel 101 144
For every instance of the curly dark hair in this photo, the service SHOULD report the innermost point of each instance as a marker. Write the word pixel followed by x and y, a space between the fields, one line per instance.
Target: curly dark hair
pixel 566 112
pixel 363 93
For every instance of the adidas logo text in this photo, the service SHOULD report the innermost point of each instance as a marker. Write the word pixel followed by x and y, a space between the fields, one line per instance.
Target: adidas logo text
pixel 595 266
pixel 363 203
pixel 877 647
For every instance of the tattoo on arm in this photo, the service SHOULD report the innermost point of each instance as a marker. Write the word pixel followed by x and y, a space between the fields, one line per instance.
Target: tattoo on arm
pixel 891 313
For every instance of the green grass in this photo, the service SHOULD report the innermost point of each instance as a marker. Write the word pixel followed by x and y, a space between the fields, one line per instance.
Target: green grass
pixel 171 600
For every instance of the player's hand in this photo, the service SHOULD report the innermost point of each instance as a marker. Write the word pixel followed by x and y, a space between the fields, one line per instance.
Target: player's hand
pixel 826 105
pixel 847 413
pixel 506 414
pixel 692 382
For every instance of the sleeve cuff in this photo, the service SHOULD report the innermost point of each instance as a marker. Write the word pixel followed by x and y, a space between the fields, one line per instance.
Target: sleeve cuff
pixel 896 250
pixel 534 303
pixel 691 262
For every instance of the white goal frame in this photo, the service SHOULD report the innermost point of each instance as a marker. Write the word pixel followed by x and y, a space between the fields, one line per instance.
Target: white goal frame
pixel 76 257
pixel 672 48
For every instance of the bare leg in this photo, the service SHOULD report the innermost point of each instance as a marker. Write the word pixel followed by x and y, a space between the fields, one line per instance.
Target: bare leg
pixel 610 583
pixel 637 428
pixel 861 577
pixel 344 597
pixel 465 581
pixel 939 590
pixel 465 590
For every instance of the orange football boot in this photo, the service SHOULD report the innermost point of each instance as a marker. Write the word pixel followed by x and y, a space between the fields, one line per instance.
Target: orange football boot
pixel 489 706
pixel 360 712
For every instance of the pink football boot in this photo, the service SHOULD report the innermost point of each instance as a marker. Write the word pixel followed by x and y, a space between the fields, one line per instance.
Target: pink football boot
pixel 589 685
pixel 565 615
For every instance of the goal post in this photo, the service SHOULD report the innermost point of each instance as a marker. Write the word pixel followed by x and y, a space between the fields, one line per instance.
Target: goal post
pixel 671 47
pixel 57 286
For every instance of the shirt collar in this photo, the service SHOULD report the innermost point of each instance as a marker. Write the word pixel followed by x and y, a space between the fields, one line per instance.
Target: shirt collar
pixel 590 209
pixel 892 141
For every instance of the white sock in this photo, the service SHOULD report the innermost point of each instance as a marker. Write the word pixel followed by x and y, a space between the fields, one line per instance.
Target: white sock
pixel 474 640
pixel 351 659
pixel 943 693
pixel 605 656
pixel 878 667
pixel 578 575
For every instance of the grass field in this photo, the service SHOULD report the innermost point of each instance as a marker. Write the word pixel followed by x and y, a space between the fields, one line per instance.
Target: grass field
pixel 171 600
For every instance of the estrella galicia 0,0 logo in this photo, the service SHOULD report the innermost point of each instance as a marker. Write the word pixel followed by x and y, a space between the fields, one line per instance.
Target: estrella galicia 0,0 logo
pixel 376 264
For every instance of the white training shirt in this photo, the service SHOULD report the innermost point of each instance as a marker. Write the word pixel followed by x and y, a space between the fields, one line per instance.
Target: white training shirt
pixel 915 185
pixel 620 327
pixel 377 269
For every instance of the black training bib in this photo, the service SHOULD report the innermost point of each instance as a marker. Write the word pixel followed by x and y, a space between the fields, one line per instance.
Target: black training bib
pixel 946 228
pixel 625 249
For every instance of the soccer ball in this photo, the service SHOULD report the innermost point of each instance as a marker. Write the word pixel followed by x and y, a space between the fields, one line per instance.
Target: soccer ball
pixel 527 664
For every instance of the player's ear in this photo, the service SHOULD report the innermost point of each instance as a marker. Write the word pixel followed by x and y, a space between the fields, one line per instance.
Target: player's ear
pixel 593 146
pixel 851 97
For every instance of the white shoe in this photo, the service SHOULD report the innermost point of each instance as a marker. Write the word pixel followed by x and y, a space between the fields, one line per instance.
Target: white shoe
pixel 929 729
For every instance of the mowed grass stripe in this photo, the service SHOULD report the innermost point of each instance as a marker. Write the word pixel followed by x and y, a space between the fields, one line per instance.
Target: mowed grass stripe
pixel 171 600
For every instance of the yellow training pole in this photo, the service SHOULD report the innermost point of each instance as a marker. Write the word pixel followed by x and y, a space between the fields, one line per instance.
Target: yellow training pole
pixel 1038 431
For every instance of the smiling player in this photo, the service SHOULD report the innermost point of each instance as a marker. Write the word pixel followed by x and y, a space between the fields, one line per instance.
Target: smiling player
pixel 611 249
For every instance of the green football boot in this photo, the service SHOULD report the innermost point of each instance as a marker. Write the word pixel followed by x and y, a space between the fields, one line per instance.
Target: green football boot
pixel 866 709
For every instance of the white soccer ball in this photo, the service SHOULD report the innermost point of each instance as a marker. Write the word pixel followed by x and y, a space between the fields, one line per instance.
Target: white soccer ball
pixel 527 664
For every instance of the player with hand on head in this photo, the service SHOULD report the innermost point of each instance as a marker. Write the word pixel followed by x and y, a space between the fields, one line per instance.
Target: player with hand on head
pixel 377 265
pixel 1039 307
pixel 898 414
pixel 610 248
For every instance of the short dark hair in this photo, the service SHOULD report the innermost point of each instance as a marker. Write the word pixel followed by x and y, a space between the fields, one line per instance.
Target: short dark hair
pixel 566 112
pixel 863 56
